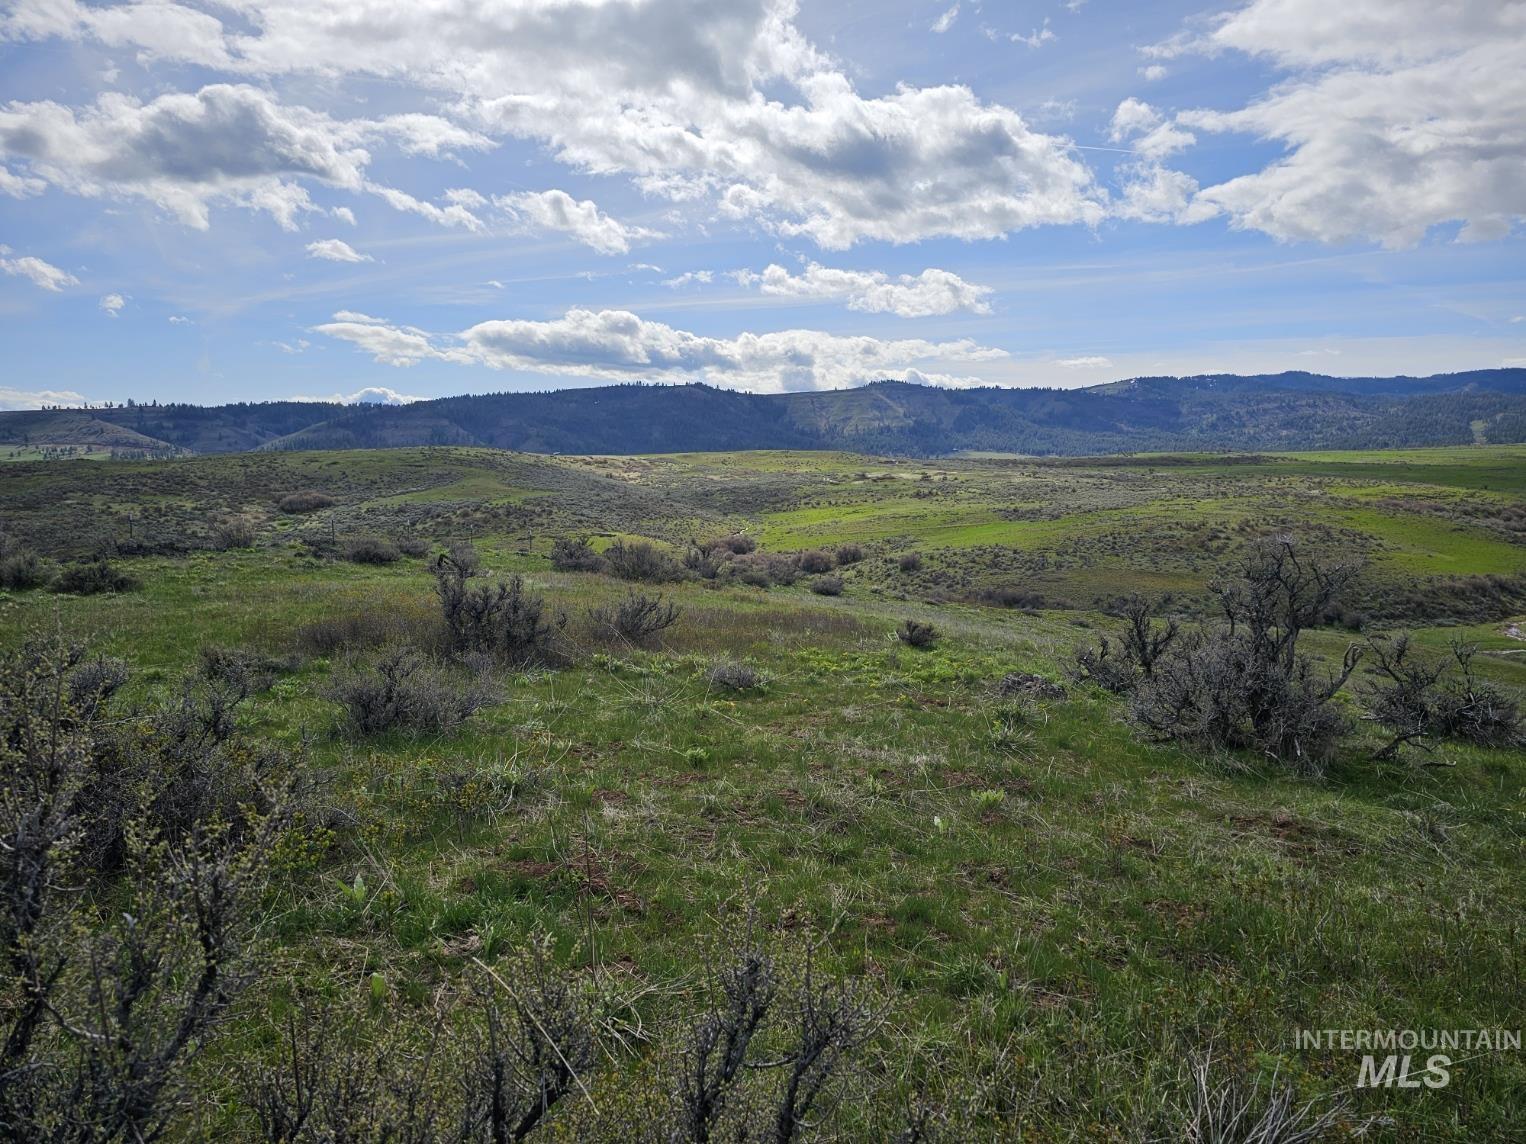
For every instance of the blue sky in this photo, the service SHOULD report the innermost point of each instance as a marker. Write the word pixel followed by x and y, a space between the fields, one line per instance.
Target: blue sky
pixel 217 200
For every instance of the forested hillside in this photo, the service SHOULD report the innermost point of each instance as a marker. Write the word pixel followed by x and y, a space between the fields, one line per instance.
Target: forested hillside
pixel 1220 411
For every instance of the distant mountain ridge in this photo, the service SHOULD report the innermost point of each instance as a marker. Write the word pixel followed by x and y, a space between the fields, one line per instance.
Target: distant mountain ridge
pixel 1293 410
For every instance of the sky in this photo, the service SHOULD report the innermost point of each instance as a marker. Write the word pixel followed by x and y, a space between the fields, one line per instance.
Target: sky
pixel 386 200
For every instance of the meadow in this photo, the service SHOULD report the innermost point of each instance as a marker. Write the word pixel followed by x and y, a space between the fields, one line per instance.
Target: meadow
pixel 1057 918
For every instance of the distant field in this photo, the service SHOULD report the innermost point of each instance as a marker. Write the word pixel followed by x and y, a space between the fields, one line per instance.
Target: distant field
pixel 1073 530
pixel 1041 900
pixel 60 453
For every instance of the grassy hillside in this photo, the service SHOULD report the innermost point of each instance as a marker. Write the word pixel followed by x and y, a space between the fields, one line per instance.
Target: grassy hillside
pixel 1076 532
pixel 42 428
pixel 1054 914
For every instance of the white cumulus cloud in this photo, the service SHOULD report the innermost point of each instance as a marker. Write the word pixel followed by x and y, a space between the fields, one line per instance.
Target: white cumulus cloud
pixel 20 186
pixel 40 273
pixel 619 345
pixel 908 296
pixel 1395 116
pixel 112 304
pixel 230 144
pixel 556 210
pixel 1151 135
pixel 335 250
pixel 726 100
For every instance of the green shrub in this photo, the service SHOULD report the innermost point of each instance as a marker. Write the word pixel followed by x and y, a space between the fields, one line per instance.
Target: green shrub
pixel 738 544
pixel 642 560
pixel 308 500
pixel 135 849
pixel 22 569
pixel 493 617
pixel 917 633
pixel 402 691
pixel 371 550
pixel 637 618
pixel 816 562
pixel 1244 683
pixel 231 532
pixel 93 579
pixel 575 554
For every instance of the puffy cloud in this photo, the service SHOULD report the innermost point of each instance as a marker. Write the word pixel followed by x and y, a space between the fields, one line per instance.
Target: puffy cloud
pixel 335 250
pixel 946 21
pixel 1090 361
pixel 19 186
pixel 1301 33
pixel 1132 117
pixel 183 152
pixel 619 345
pixel 1399 115
pixel 388 344
pixel 43 274
pixel 559 211
pixel 158 29
pixel 370 395
pixel 1152 136
pixel 1151 191
pixel 37 399
pixel 429 135
pixel 923 295
pixel 112 304
pixel 226 143
pixel 1155 193
pixel 720 98
pixel 918 163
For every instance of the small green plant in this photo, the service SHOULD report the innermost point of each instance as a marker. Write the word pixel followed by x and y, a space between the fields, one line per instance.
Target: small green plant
pixel 986 800
pixel 355 893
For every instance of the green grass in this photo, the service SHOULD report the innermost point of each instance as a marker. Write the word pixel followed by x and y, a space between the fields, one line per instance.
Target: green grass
pixel 1043 901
